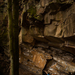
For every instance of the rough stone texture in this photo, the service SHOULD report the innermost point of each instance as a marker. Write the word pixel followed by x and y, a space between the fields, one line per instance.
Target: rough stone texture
pixel 34 59
pixel 47 33
pixel 35 56
pixel 51 26
pixel 20 37
pixel 58 18
pixel 4 63
pixel 26 37
pixel 39 58
pixel 50 30
pixel 65 25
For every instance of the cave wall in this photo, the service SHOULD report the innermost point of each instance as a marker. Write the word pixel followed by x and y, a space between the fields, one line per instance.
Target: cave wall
pixel 47 18
pixel 47 37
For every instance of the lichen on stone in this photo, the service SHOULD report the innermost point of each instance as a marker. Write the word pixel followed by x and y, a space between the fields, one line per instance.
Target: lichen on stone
pixel 32 11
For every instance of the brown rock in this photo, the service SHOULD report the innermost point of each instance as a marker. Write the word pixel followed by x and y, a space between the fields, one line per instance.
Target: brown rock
pixel 20 37
pixel 47 18
pixel 39 60
pixel 50 30
pixel 36 56
pixel 42 3
pixel 27 38
pixel 40 10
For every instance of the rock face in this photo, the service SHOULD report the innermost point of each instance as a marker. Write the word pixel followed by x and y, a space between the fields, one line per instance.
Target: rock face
pixel 50 18
pixel 48 35
pixel 35 59
pixel 42 58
